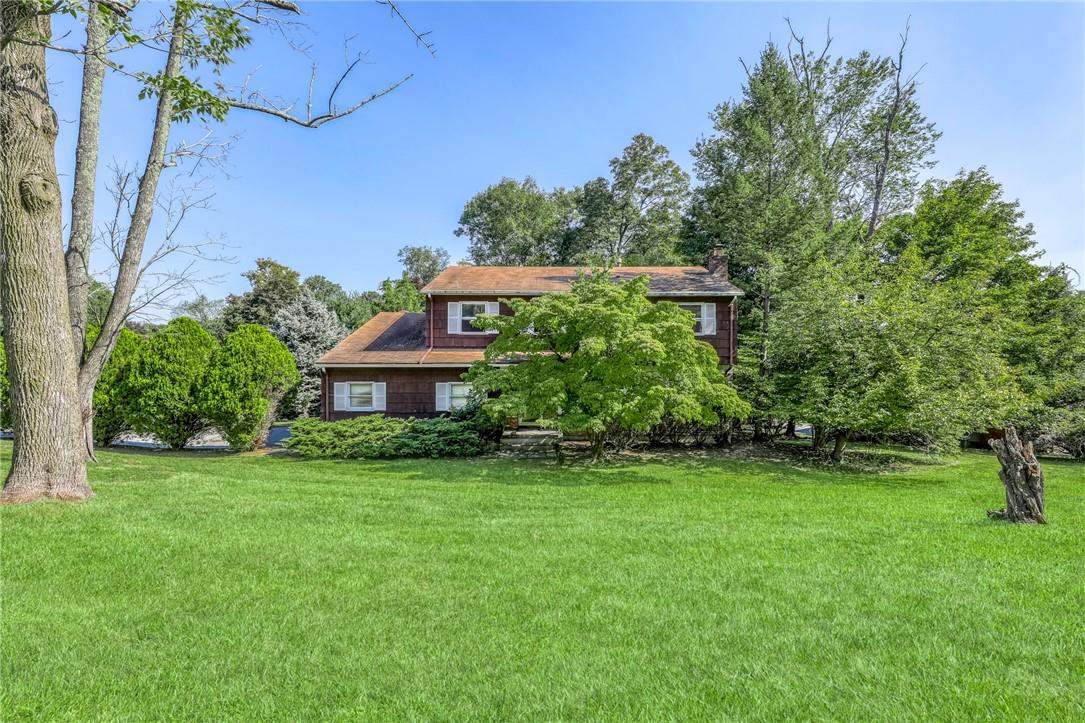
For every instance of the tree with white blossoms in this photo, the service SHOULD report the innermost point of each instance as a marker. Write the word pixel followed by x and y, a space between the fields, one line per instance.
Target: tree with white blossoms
pixel 308 329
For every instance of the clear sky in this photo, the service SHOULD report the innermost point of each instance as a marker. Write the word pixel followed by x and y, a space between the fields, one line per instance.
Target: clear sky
pixel 555 90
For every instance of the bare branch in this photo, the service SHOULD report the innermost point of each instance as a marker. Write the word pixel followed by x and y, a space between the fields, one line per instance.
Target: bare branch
pixel 419 38
pixel 257 102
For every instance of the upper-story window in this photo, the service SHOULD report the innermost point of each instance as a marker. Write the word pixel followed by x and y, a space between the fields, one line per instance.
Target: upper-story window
pixel 462 314
pixel 704 318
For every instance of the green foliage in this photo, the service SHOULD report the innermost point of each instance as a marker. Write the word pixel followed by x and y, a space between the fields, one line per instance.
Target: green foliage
pixel 801 152
pixel 636 217
pixel 513 223
pixel 352 309
pixel 206 312
pixel 211 35
pixel 160 388
pixel 602 360
pixel 110 406
pixel 401 295
pixel 247 376
pixel 273 287
pixel 379 437
pixel 421 264
pixel 878 349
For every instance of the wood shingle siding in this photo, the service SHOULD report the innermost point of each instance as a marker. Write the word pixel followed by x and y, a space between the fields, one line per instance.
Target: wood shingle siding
pixel 408 392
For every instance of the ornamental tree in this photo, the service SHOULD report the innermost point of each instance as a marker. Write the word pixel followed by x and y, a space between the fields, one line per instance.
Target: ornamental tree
pixel 160 387
pixel 308 329
pixel 246 378
pixel 602 359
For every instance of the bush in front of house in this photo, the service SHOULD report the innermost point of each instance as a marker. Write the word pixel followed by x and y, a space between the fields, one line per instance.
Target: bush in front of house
pixel 246 378
pixel 380 437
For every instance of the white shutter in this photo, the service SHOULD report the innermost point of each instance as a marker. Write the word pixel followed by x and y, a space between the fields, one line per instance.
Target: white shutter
pixel 442 396
pixel 342 395
pixel 708 320
pixel 378 397
pixel 453 317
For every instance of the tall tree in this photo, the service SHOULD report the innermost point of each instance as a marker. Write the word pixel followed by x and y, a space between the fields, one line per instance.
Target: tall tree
pixel 274 286
pixel 48 452
pixel 421 264
pixel 757 171
pixel 636 217
pixel 512 223
pixel 52 386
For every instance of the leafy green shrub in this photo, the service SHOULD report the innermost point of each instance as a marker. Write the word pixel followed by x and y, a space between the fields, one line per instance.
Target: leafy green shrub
pixel 159 390
pixel 380 437
pixel 245 380
pixel 110 419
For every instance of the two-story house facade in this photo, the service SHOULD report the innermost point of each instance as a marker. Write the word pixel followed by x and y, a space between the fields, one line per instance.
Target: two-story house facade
pixel 411 364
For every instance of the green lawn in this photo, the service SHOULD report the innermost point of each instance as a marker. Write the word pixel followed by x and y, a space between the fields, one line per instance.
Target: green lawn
pixel 207 587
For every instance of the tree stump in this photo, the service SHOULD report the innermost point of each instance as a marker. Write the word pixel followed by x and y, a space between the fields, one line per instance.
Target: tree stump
pixel 1023 479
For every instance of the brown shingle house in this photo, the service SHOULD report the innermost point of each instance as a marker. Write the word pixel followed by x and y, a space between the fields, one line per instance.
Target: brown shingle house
pixel 407 364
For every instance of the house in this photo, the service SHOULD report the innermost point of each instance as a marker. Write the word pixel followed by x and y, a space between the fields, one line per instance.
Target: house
pixel 407 364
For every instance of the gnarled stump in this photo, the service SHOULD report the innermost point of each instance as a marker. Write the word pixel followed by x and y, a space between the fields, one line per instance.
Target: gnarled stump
pixel 1023 479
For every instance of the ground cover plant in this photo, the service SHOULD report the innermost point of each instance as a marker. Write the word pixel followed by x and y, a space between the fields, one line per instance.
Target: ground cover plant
pixel 679 586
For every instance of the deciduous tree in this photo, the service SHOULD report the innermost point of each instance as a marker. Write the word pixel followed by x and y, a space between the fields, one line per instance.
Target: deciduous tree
pixel 421 264
pixel 602 359
pixel 43 294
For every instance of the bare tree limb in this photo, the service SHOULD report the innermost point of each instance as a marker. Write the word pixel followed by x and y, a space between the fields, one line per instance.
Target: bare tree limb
pixel 257 102
pixel 419 38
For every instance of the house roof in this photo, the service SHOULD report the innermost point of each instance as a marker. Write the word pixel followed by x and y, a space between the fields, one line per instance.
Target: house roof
pixel 535 280
pixel 395 338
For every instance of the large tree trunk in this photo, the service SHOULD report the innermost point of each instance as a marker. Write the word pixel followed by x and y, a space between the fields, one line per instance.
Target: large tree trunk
pixel 1023 479
pixel 128 271
pixel 841 441
pixel 48 457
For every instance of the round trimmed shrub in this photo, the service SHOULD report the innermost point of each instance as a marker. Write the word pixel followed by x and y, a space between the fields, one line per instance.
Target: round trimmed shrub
pixel 246 379
pixel 159 390
pixel 110 413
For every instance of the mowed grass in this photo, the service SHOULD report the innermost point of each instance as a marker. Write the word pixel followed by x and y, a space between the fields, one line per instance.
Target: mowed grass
pixel 265 588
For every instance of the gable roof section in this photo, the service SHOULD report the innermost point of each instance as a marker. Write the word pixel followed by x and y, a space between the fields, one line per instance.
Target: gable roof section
pixel 536 280
pixel 394 338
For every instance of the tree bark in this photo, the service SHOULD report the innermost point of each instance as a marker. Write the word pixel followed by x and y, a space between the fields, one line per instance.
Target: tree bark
pixel 48 459
pixel 1023 479
pixel 77 258
pixel 839 444
pixel 128 270
pixel 819 439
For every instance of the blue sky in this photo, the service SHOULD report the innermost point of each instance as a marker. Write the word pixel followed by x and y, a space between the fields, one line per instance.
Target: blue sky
pixel 555 90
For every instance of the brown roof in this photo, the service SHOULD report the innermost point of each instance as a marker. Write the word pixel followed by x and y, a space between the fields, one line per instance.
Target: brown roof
pixel 392 338
pixel 534 280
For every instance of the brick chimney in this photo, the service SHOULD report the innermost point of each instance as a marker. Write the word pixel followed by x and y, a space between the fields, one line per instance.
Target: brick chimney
pixel 717 263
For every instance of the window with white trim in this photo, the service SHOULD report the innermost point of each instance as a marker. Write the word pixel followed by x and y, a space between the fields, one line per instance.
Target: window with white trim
pixel 704 317
pixel 359 397
pixel 459 393
pixel 462 314
pixel 452 395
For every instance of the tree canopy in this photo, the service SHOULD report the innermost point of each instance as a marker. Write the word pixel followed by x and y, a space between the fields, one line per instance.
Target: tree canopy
pixel 602 359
